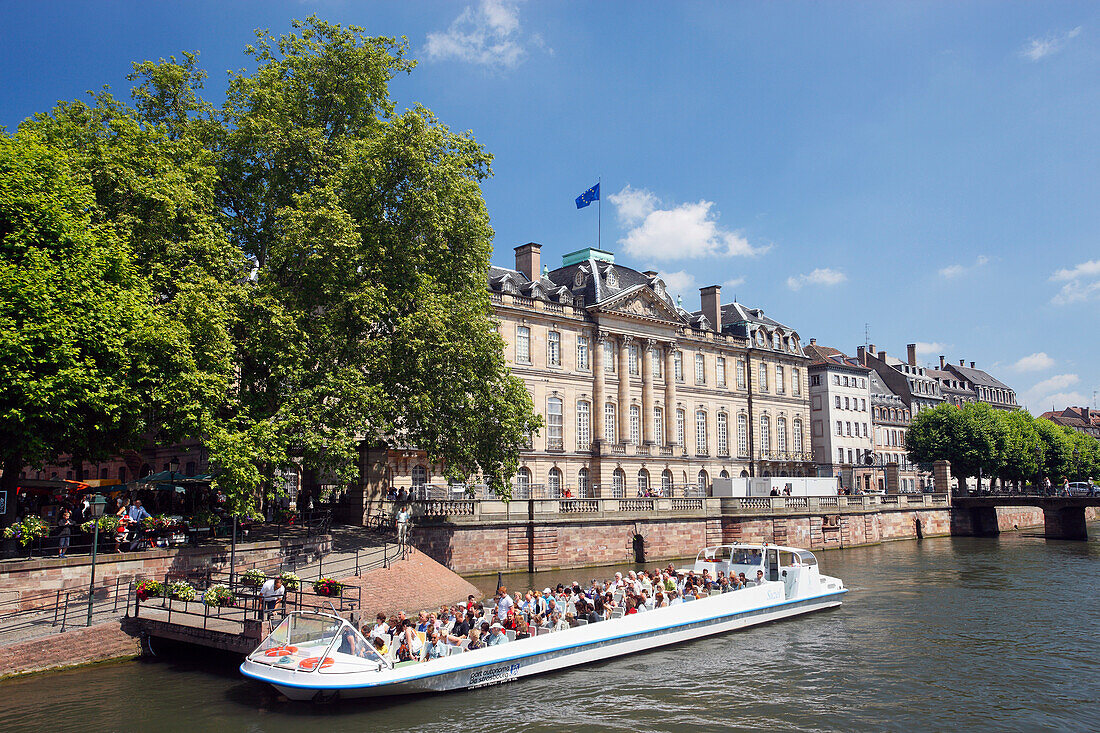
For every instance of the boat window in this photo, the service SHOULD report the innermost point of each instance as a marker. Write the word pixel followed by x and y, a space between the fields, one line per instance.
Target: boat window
pixel 723 554
pixel 298 637
pixel 787 559
pixel 352 653
pixel 748 557
pixel 807 557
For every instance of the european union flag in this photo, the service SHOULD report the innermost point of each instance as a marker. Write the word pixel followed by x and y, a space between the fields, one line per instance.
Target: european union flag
pixel 592 194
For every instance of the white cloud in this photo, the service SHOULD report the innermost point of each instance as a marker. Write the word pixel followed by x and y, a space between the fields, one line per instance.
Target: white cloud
pixel 488 34
pixel 953 271
pixel 1036 362
pixel 1039 48
pixel 1051 390
pixel 1081 283
pixel 930 348
pixel 820 276
pixel 733 282
pixel 679 282
pixel 687 231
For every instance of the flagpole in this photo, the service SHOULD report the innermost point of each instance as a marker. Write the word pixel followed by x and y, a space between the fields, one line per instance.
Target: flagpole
pixel 599 214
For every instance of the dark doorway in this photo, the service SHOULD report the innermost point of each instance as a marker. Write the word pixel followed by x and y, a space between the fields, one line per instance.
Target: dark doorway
pixel 639 548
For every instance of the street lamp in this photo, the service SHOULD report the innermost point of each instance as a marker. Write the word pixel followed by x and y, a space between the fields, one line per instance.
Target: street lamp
pixel 1076 464
pixel 1039 468
pixel 173 467
pixel 98 504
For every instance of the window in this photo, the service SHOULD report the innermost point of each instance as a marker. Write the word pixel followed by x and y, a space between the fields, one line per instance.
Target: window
pixel 740 375
pixel 765 435
pixel 720 371
pixel 848 426
pixel 678 365
pixel 633 362
pixel 866 434
pixel 618 483
pixel 781 434
pixel 635 424
pixel 847 406
pixel 836 379
pixel 419 475
pixel 850 457
pixel 845 381
pixel 523 345
pixel 584 425
pixel 837 399
pixel 609 422
pixel 840 455
pixel 776 341
pixel 723 434
pixel 659 425
pixel 742 435
pixel 656 355
pixel 700 369
pixel 863 405
pixel 122 474
pixel 681 418
pixel 762 372
pixel 523 480
pixel 703 480
pixel 839 428
pixel 796 443
pixel 554 439
pixel 815 402
pixel 553 482
pixel 700 432
pixel 582 483
pixel 608 356
pixel 796 382
pixel 780 386
pixel 815 380
pixel 643 482
pixel 666 482
pixel 553 348
pixel 582 353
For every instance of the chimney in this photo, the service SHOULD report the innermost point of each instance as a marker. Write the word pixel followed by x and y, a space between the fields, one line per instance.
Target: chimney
pixel 650 273
pixel 911 351
pixel 882 355
pixel 941 362
pixel 871 349
pixel 962 362
pixel 528 260
pixel 971 365
pixel 861 355
pixel 711 297
pixel 813 342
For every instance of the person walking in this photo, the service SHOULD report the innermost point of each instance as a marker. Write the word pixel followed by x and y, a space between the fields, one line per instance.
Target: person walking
pixel 64 532
pixel 402 524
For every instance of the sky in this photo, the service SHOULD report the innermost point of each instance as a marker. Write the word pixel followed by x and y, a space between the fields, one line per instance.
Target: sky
pixel 879 172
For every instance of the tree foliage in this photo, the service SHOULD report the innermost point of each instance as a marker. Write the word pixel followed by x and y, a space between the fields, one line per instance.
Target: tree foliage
pixel 290 274
pixel 1012 446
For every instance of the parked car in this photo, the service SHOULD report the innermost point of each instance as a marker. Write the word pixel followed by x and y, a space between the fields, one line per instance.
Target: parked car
pixel 1083 488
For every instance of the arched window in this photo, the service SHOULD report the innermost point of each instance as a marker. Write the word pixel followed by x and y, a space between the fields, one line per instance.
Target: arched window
pixel 781 434
pixel 765 435
pixel 744 473
pixel 523 481
pixel 582 483
pixel 666 483
pixel 723 434
pixel 584 425
pixel 618 483
pixel 703 480
pixel 554 435
pixel 643 482
pixel 188 469
pixel 701 432
pixel 103 473
pixel 419 475
pixel 742 434
pixel 609 422
pixel 724 474
pixel 553 482
pixel 635 424
pixel 797 436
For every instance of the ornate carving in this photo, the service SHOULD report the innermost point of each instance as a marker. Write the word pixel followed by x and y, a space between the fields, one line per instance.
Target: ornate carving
pixel 640 307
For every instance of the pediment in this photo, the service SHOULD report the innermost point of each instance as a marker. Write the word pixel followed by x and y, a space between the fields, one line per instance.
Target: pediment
pixel 640 302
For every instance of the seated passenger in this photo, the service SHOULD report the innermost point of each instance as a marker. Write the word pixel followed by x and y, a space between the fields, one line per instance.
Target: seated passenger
pixel 496 635
pixel 404 653
pixel 381 628
pixel 557 623
pixel 380 646
pixel 461 627
pixel 436 646
pixel 742 581
pixel 475 640
pixel 631 607
pixel 595 611
pixel 522 632
pixel 349 642
pixel 759 577
pixel 674 598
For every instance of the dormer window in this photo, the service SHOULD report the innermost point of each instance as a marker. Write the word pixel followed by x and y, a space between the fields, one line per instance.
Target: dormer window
pixel 579 278
pixel 611 278
pixel 775 341
pixel 659 288
pixel 760 338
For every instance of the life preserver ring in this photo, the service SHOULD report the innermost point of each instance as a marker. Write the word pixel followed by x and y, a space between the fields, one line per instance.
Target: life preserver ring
pixel 311 663
pixel 280 651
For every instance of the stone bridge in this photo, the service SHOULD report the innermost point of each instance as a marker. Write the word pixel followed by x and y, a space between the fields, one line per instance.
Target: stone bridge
pixel 1064 517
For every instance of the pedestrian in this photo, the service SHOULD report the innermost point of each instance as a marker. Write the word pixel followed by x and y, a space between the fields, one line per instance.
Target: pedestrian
pixel 64 532
pixel 272 591
pixel 402 523
pixel 137 513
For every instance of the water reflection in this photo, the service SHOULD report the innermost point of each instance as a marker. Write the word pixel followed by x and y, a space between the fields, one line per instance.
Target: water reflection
pixel 986 634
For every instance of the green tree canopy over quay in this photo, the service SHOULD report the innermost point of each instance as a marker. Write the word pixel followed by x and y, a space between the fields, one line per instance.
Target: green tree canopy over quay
pixel 283 276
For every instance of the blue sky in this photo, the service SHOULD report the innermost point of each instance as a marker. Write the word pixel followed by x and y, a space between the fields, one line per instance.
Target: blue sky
pixel 927 171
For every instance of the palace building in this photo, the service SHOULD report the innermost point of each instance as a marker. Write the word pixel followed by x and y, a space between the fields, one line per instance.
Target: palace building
pixel 637 393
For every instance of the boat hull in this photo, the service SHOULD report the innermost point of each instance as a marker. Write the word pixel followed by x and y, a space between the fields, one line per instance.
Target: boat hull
pixel 552 652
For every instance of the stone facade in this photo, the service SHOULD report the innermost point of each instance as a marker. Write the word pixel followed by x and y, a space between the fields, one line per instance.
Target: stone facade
pixel 840 415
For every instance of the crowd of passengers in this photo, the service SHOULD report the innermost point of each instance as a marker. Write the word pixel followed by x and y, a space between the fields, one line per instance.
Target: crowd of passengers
pixel 474 624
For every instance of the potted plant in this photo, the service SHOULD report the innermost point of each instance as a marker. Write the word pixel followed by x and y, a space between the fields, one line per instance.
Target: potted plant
pixel 219 596
pixel 149 589
pixel 327 587
pixel 27 531
pixel 290 580
pixel 181 590
pixel 253 578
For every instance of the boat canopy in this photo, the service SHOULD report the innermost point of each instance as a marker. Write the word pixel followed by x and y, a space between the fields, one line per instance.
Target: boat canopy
pixel 317 642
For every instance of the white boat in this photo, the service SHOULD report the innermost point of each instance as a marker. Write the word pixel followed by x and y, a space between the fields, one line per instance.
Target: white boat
pixel 320 656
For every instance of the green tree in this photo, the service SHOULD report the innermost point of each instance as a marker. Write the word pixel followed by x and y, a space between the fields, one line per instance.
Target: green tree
pixel 969 437
pixel 1023 446
pixel 1057 450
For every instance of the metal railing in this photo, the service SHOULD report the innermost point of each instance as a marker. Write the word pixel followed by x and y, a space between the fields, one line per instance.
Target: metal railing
pixel 63 609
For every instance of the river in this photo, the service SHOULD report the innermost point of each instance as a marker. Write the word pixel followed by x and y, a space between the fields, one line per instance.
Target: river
pixel 983 634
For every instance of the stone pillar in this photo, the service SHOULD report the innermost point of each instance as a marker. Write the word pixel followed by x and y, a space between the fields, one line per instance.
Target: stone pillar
pixel 373 485
pixel 1064 523
pixel 941 477
pixel 599 393
pixel 647 392
pixel 892 482
pixel 624 388
pixel 670 393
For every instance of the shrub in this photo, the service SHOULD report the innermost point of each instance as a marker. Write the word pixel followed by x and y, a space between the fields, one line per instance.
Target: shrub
pixel 149 589
pixel 181 590
pixel 253 578
pixel 290 580
pixel 30 529
pixel 327 587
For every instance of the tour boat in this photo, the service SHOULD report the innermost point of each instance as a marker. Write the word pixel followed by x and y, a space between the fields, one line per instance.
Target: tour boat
pixel 320 656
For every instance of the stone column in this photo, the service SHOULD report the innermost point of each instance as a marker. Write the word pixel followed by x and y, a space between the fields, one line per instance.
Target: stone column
pixel 670 393
pixel 647 392
pixel 624 388
pixel 599 394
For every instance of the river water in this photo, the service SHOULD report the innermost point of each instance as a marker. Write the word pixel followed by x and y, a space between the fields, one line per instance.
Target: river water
pixel 982 634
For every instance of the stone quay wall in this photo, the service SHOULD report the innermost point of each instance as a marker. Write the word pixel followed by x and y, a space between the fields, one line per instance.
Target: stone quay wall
pixel 474 537
pixel 27 584
pixel 75 647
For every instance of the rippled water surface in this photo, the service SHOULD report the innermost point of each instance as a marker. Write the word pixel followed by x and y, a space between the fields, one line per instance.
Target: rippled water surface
pixel 937 635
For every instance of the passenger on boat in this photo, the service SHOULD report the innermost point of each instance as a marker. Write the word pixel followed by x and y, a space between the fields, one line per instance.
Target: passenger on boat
pixel 742 581
pixel 557 623
pixel 422 622
pixel 436 646
pixel 475 640
pixel 404 651
pixel 759 577
pixel 522 630
pixel 380 646
pixel 496 635
pixel 350 644
pixel 504 602
pixel 381 629
pixel 461 627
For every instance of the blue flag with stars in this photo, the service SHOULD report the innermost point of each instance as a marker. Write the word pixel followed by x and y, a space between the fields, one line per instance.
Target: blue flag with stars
pixel 592 194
